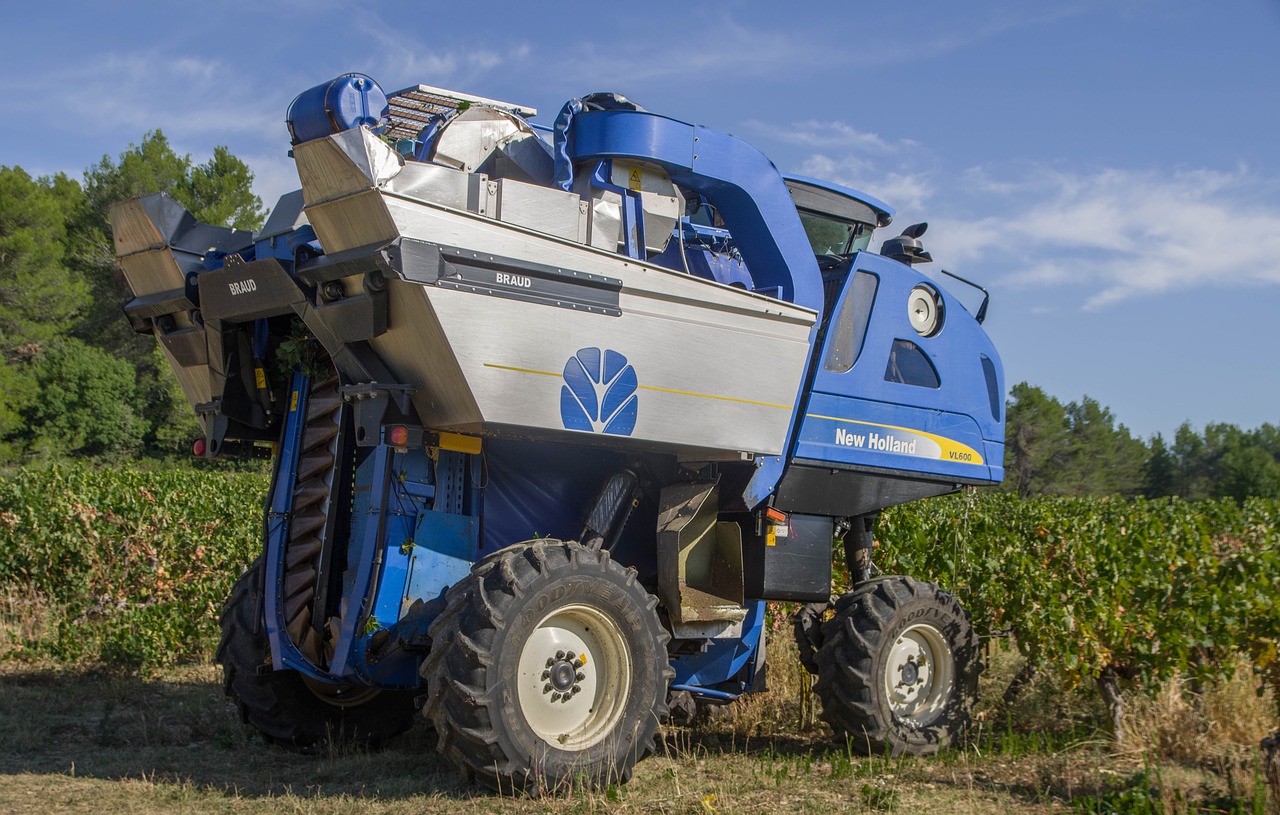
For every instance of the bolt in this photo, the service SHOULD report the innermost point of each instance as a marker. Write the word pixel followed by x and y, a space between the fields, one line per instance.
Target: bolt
pixel 546 674
pixel 579 676
pixel 555 697
pixel 547 688
pixel 559 654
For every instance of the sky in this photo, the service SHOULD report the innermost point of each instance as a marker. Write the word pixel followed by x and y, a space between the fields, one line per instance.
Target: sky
pixel 1109 171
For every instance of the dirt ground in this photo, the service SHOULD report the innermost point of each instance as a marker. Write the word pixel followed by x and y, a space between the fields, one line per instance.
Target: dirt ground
pixel 76 741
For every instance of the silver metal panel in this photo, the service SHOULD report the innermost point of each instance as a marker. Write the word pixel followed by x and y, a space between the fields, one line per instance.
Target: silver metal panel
pixel 343 164
pixel 470 139
pixel 661 210
pixel 717 368
pixel 441 185
pixel 544 209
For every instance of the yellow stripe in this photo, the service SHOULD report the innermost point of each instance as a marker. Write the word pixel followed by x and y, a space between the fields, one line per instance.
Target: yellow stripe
pixel 942 441
pixel 711 396
pixel 519 370
pixel 651 388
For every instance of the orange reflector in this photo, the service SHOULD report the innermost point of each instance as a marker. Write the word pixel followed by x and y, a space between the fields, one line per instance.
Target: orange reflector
pixel 197 449
pixel 399 435
pixel 776 516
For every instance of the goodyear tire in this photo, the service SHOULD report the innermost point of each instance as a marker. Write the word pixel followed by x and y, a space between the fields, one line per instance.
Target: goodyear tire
pixel 898 668
pixel 548 666
pixel 287 708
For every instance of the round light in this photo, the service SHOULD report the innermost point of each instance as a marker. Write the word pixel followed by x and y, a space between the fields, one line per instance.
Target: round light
pixel 197 449
pixel 924 307
pixel 400 436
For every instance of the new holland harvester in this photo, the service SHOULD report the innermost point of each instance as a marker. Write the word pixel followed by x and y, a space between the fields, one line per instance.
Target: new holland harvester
pixel 554 412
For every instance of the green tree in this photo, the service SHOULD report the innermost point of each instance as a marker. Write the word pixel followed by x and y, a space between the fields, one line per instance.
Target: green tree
pixel 1103 457
pixel 1247 470
pixel 1036 433
pixel 85 402
pixel 1160 473
pixel 1072 449
pixel 39 296
pixel 219 191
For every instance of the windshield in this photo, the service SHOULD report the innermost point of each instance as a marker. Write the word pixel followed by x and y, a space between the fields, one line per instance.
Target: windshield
pixel 828 236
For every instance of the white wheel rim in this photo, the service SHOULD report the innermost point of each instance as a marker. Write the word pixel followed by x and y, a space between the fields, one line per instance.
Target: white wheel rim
pixel 919 674
pixel 574 677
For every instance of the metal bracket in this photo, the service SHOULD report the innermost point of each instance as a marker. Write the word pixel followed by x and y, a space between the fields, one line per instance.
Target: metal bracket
pixel 370 402
pixel 215 426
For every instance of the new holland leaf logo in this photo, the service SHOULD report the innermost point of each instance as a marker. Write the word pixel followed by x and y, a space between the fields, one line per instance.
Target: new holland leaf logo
pixel 599 393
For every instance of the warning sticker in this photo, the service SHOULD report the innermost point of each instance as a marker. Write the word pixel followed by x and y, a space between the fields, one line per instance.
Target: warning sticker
pixel 635 180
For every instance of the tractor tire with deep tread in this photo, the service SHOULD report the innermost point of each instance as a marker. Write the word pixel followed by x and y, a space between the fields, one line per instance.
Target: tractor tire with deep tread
pixel 548 667
pixel 283 706
pixel 898 668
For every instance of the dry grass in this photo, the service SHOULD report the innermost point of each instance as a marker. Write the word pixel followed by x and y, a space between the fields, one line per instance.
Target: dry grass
pixel 76 741
pixel 24 616
pixel 1180 724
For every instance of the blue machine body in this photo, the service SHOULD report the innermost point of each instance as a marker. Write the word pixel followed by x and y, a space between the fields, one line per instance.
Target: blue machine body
pixel 879 397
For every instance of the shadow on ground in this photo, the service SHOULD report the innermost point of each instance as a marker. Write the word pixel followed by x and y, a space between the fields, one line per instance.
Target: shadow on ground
pixel 181 729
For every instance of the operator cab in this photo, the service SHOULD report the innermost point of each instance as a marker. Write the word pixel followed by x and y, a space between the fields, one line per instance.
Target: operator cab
pixel 836 219
pixel 838 222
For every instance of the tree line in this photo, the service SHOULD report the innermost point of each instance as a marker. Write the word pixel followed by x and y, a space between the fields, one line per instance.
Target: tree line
pixel 1078 449
pixel 76 381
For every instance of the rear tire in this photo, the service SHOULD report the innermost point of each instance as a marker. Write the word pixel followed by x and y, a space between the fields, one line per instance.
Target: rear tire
pixel 284 706
pixel 898 668
pixel 548 666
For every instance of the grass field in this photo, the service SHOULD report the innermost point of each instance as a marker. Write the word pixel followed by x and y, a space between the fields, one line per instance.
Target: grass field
pixel 73 741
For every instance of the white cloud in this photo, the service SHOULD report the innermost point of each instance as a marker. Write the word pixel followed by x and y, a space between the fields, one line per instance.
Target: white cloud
pixel 830 135
pixel 1123 233
pixel 904 191
pixel 402 56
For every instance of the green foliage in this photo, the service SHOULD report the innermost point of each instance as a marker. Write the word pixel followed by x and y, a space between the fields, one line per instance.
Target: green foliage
pixel 1223 462
pixel 39 298
pixel 220 191
pixel 1072 449
pixel 1079 449
pixel 1146 587
pixel 64 345
pixel 217 192
pixel 135 564
pixel 84 403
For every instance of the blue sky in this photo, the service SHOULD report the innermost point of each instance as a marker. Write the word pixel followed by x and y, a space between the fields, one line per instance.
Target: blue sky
pixel 1109 170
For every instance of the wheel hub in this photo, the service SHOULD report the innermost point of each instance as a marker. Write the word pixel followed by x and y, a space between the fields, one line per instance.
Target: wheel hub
pixel 574 677
pixel 918 674
pixel 911 672
pixel 563 674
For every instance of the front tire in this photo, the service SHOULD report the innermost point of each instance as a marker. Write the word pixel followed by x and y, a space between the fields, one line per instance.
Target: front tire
pixel 898 668
pixel 548 666
pixel 284 706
